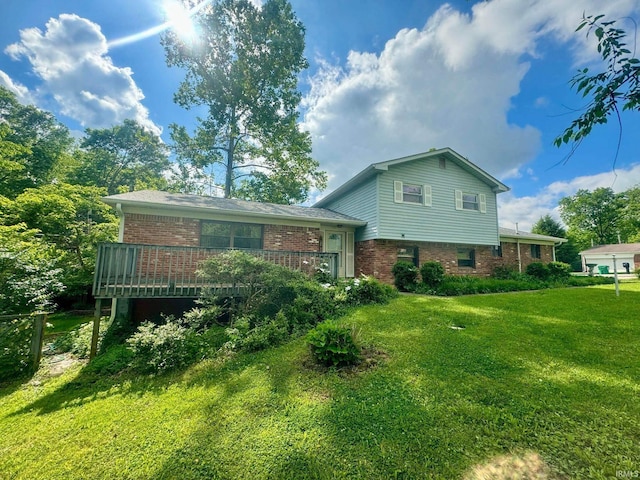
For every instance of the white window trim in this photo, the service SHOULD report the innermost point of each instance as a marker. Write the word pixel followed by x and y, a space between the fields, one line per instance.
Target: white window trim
pixel 482 201
pixel 398 194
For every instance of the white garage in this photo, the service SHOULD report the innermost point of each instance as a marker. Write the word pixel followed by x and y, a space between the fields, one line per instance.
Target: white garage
pixel 604 255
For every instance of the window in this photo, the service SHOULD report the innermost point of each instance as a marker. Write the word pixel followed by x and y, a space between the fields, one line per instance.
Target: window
pixel 411 193
pixel 443 163
pixel 496 251
pixel 535 251
pixel 230 235
pixel 466 257
pixel 409 254
pixel 471 201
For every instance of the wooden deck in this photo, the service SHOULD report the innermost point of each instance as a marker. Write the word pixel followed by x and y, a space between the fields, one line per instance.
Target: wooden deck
pixel 125 270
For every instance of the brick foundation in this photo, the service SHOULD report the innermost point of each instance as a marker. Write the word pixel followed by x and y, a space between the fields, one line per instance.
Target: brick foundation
pixel 377 257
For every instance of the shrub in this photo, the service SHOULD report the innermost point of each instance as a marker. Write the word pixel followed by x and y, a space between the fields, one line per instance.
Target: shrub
pixel 333 345
pixel 322 274
pixel 78 341
pixel 559 270
pixel 505 272
pixel 637 272
pixel 367 290
pixel 163 347
pixel 538 270
pixel 405 276
pixel 432 273
pixel 15 347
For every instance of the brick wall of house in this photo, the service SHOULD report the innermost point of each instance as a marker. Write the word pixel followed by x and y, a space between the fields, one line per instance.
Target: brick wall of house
pixel 161 230
pixel 182 231
pixel 377 257
pixel 297 239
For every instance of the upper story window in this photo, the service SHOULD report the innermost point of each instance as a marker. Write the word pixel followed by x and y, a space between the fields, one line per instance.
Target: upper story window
pixel 471 201
pixel 230 235
pixel 411 193
pixel 535 251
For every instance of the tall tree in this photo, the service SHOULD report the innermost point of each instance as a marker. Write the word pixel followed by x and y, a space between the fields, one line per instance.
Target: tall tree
pixel 594 216
pixel 614 89
pixel 565 252
pixel 125 157
pixel 243 68
pixel 32 143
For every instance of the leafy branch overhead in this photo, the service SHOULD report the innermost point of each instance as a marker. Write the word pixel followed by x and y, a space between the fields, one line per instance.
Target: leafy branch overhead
pixel 611 91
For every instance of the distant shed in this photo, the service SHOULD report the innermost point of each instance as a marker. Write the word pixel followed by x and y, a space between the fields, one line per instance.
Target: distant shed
pixel 604 255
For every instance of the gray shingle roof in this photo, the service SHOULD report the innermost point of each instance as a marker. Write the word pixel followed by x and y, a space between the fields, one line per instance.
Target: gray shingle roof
pixel 614 248
pixel 511 233
pixel 229 205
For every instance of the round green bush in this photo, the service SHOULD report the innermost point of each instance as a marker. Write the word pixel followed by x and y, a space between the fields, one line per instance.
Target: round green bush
pixel 333 345
pixel 432 273
pixel 405 276
pixel 559 270
pixel 538 270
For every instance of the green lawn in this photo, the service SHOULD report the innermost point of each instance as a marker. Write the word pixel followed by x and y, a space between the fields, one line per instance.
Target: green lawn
pixel 65 322
pixel 551 376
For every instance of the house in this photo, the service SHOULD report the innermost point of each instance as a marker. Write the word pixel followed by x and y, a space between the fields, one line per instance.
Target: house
pixel 604 256
pixel 431 206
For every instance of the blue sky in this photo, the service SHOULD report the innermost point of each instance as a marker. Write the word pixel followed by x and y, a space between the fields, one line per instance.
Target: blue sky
pixel 387 78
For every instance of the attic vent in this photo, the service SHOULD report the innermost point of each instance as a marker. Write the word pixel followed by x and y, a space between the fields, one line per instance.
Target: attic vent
pixel 443 163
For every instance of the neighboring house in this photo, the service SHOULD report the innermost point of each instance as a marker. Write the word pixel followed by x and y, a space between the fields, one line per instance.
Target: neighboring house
pixel 432 206
pixel 604 255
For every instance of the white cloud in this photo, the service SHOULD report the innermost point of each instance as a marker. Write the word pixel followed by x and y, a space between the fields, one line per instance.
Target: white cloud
pixel 449 84
pixel 71 59
pixel 21 92
pixel 527 210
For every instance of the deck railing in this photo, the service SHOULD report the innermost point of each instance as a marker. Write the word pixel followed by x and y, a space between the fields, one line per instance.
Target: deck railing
pixel 126 270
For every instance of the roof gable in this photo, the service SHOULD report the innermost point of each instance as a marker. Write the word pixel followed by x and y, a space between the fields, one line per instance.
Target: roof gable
pixel 445 153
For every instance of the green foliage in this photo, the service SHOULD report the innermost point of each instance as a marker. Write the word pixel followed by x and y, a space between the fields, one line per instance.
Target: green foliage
pixel 32 144
pixel 566 252
pixel 559 270
pixel 333 345
pixel 597 215
pixel 29 273
pixel 15 347
pixel 244 68
pixel 159 348
pixel 322 274
pixel 124 157
pixel 405 276
pixel 538 270
pixel 615 89
pixel 365 290
pixel 506 272
pixel 432 273
pixel 78 341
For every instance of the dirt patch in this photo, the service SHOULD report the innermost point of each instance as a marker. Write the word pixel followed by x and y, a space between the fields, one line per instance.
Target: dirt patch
pixel 55 365
pixel 371 358
pixel 525 466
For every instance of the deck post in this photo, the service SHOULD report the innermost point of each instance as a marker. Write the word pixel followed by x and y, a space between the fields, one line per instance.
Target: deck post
pixel 96 329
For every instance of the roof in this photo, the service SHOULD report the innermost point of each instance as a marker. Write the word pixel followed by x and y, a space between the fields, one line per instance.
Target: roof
pixel 614 248
pixel 516 234
pixel 174 201
pixel 376 168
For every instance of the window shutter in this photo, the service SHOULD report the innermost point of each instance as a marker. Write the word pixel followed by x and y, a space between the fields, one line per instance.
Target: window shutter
pixel 458 199
pixel 426 195
pixel 397 191
pixel 483 203
pixel 349 267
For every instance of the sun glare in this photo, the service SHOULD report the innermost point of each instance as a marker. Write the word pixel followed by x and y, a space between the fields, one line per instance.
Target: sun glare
pixel 179 17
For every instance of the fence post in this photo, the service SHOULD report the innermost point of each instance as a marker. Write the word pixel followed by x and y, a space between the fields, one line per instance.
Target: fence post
pixel 96 329
pixel 37 338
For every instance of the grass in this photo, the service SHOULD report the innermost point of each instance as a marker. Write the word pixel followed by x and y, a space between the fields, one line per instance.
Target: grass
pixel 63 322
pixel 546 380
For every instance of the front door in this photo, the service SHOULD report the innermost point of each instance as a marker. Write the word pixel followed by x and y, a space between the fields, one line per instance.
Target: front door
pixel 335 244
